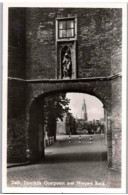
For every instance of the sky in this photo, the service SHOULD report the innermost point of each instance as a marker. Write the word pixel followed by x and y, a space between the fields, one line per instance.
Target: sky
pixel 93 105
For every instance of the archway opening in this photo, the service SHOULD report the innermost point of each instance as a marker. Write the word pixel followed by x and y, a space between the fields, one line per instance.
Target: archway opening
pixel 67 133
pixel 65 113
pixel 68 128
pixel 80 121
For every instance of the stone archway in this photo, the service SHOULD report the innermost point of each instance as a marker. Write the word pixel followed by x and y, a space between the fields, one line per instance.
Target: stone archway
pixel 36 125
pixel 35 91
pixel 35 131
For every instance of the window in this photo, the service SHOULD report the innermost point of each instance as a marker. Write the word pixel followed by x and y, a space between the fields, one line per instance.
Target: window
pixel 66 38
pixel 66 28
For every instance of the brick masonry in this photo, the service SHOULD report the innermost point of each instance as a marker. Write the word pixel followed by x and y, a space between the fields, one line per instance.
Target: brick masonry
pixel 33 55
pixel 117 123
pixel 98 42
pixel 16 40
pixel 16 134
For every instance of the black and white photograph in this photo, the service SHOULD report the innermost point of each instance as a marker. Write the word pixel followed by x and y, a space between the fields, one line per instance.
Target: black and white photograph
pixel 64 122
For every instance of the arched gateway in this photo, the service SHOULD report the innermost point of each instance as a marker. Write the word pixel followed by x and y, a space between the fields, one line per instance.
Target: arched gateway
pixel 100 89
pixel 81 43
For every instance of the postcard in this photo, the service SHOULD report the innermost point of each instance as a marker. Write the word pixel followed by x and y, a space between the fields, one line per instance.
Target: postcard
pixel 64 97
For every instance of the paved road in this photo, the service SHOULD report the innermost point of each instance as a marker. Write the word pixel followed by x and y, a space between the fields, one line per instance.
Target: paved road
pixel 68 165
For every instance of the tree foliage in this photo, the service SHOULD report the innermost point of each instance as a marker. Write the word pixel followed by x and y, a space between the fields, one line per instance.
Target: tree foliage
pixel 56 106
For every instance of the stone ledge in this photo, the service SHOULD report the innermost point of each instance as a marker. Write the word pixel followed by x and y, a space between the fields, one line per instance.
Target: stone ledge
pixel 67 80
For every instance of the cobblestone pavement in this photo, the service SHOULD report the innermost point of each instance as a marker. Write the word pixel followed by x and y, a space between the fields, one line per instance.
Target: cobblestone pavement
pixel 68 165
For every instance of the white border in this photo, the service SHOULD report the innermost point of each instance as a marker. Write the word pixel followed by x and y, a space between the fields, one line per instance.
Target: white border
pixel 6 189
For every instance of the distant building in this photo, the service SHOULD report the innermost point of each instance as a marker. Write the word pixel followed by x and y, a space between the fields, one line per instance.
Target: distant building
pixel 102 121
pixel 67 126
pixel 93 121
pixel 70 124
pixel 80 124
pixel 61 126
pixel 97 122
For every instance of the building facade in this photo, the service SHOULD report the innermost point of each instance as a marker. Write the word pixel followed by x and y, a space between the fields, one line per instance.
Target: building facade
pixel 62 49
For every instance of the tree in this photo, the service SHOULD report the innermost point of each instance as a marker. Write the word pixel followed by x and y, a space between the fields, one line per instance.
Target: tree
pixel 55 106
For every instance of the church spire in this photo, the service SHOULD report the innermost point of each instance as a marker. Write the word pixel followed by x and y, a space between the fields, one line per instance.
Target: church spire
pixel 84 113
pixel 84 105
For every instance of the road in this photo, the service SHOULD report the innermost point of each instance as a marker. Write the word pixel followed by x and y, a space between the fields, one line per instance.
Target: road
pixel 73 164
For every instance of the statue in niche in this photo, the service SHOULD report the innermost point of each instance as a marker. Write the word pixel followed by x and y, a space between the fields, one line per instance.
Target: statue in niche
pixel 66 63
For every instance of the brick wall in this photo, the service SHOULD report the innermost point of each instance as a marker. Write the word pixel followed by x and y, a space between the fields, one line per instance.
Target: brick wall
pixel 116 123
pixel 116 42
pixel 16 132
pixel 98 32
pixel 16 42
pixel 99 39
pixel 116 150
pixel 40 36
pixel 32 44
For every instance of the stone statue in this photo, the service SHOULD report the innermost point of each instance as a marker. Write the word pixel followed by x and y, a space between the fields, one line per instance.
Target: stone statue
pixel 66 65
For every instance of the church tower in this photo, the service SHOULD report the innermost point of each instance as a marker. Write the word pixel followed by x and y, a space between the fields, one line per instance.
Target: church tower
pixel 84 112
